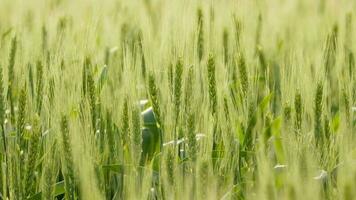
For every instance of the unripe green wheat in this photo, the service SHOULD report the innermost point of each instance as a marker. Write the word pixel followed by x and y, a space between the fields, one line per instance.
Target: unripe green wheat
pixel 238 28
pixel 47 182
pixel 14 177
pixel 44 39
pixel 62 66
pixel 170 167
pixel 189 115
pixel 243 74
pixel 30 80
pixel 226 108
pixel 125 126
pixel 226 45
pixel 136 138
pixel 200 42
pixel 268 131
pixel 153 93
pixel 92 98
pixel 143 60
pixel 345 97
pixel 171 79
pixel 263 62
pixel 178 87
pixel 49 172
pixel 107 56
pixel 100 133
pixel 39 87
pixel 318 109
pixel 234 82
pixel 192 142
pixel 110 136
pixel 11 77
pixel 67 161
pixel 31 159
pixel 20 129
pixel 5 170
pixel 188 89
pixel 287 113
pixel 124 34
pixel 86 66
pixel 21 116
pixel 251 122
pixel 298 112
pixel 327 131
pixel 2 100
pixel 330 51
pixel 11 72
pixel 51 92
pixel 351 63
pixel 212 84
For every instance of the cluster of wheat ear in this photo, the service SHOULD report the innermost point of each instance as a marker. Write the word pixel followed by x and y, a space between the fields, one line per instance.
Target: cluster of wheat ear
pixel 159 99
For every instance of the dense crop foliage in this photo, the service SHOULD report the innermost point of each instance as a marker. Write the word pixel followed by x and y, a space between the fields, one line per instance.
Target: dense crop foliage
pixel 154 99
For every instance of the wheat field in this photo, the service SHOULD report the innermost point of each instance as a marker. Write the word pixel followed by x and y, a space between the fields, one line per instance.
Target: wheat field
pixel 177 99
